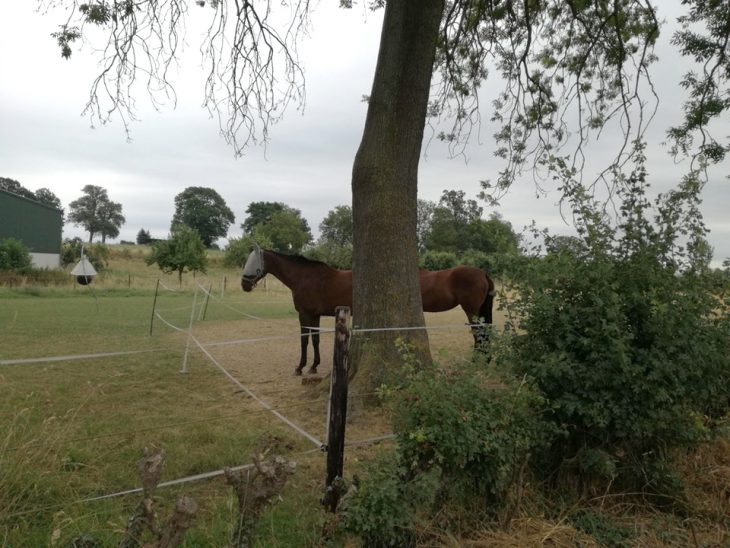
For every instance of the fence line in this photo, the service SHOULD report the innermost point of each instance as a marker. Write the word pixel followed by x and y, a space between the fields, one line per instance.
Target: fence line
pixel 210 294
pixel 24 361
pixel 168 288
pixel 222 343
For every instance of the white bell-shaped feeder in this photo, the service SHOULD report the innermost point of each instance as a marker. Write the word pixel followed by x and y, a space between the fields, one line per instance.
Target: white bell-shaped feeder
pixel 84 270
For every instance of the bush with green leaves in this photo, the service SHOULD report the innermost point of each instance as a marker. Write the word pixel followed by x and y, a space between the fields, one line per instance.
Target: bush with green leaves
pixel 14 256
pixel 622 333
pixel 388 502
pixel 477 427
pixel 97 254
pixel 438 260
pixel 464 435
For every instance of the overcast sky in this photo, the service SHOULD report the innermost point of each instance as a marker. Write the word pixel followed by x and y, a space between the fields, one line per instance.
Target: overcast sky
pixel 45 142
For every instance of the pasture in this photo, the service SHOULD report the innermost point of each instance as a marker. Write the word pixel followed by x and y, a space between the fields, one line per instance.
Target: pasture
pixel 72 429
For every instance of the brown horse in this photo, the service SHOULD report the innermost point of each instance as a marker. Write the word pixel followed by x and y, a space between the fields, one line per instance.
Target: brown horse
pixel 317 289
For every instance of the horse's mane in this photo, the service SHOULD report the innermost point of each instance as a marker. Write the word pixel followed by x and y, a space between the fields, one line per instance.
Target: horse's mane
pixel 300 259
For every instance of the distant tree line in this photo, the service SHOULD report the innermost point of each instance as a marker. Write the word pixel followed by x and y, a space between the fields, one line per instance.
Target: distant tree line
pixel 450 231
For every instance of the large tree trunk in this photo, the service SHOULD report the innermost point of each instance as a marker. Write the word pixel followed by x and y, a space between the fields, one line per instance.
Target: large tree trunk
pixel 384 190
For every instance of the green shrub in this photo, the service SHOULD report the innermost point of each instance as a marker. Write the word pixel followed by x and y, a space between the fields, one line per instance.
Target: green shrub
pixel 478 428
pixel 464 435
pixel 383 511
pixel 14 255
pixel 438 260
pixel 97 254
pixel 622 335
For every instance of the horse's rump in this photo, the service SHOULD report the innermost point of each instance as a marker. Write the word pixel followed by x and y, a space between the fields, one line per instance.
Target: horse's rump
pixel 464 286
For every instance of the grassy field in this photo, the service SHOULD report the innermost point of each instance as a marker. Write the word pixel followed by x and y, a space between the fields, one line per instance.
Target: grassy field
pixel 73 429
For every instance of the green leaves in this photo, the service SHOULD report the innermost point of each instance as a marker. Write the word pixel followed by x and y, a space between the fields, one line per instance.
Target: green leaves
pixel 14 255
pixel 65 37
pixel 203 210
pixel 183 251
pixel 621 331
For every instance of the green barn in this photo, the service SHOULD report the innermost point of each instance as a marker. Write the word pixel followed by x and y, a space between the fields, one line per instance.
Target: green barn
pixel 35 224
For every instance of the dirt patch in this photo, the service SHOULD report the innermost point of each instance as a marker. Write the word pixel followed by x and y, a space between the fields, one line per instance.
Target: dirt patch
pixel 262 355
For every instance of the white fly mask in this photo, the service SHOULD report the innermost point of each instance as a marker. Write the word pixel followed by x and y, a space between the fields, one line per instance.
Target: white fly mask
pixel 253 270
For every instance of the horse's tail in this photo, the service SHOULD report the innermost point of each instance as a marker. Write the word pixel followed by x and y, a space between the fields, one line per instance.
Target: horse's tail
pixel 485 310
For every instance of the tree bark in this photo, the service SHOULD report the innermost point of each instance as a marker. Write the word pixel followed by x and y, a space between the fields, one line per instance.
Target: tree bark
pixel 384 190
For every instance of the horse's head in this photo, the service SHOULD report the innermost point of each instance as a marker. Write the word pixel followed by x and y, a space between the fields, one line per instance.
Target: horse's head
pixel 253 270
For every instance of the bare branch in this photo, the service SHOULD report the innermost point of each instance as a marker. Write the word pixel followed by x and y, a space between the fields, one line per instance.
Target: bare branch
pixel 253 68
pixel 563 64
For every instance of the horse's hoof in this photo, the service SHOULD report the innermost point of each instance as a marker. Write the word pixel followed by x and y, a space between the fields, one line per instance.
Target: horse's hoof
pixel 312 371
pixel 297 372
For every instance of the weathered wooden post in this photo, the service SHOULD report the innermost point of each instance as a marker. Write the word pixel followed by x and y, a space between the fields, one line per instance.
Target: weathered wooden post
pixel 337 413
pixel 204 309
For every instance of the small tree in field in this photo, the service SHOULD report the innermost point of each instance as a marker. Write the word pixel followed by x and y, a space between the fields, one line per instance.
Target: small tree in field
pixel 96 213
pixel 183 251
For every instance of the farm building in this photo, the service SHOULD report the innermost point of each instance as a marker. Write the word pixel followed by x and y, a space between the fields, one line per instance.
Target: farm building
pixel 35 224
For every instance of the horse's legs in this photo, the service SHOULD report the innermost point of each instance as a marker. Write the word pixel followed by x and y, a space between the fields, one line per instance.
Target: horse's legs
pixel 479 332
pixel 481 319
pixel 304 322
pixel 315 344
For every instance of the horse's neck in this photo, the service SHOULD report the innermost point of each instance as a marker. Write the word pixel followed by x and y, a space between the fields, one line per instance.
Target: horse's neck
pixel 285 271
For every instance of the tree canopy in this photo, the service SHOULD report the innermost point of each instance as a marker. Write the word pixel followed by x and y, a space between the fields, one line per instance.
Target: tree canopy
pixel 96 213
pixel 279 224
pixel 456 225
pixel 11 185
pixel 334 245
pixel 336 227
pixel 203 210
pixel 287 231
pixel 143 237
pixel 260 213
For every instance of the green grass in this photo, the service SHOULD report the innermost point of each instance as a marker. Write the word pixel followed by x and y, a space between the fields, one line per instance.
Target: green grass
pixel 70 430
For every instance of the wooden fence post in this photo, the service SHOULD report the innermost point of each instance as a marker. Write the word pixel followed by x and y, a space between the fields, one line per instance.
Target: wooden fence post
pixel 337 412
pixel 154 305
